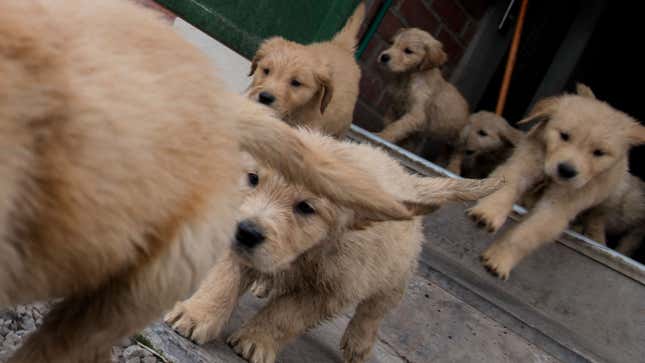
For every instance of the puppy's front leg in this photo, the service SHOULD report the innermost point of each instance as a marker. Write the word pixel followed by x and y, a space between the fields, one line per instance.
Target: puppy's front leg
pixel 631 241
pixel 202 317
pixel 520 173
pixel 400 129
pixel 284 318
pixel 545 223
pixel 362 331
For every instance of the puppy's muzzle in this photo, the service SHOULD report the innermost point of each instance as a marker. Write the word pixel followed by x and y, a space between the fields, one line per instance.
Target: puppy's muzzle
pixel 249 234
pixel 567 171
pixel 385 58
pixel 266 98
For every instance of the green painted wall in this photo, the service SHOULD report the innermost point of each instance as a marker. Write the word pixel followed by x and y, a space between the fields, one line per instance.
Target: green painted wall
pixel 242 24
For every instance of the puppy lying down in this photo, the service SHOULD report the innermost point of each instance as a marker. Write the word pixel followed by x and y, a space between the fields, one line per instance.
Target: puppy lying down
pixel 578 149
pixel 119 170
pixel 319 258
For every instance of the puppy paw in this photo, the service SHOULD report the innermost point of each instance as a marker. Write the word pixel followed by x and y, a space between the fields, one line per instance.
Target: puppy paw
pixel 261 288
pixel 198 325
pixel 355 350
pixel 499 259
pixel 254 347
pixel 487 217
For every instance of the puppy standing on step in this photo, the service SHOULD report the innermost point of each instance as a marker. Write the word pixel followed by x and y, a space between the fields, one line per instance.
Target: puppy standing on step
pixel 119 170
pixel 319 258
pixel 423 101
pixel 485 143
pixel 313 85
pixel 580 147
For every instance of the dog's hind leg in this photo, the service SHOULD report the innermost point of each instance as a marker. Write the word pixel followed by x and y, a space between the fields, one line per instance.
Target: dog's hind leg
pixel 362 331
pixel 631 241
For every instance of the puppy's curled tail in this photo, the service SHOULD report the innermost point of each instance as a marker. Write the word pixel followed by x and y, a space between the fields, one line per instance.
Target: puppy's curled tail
pixel 347 37
pixel 432 193
pixel 281 147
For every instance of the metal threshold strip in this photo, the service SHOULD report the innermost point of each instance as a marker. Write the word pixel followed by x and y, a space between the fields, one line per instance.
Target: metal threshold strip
pixel 603 254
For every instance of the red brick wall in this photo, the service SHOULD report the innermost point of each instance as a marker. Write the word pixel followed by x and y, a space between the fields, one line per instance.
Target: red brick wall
pixel 453 22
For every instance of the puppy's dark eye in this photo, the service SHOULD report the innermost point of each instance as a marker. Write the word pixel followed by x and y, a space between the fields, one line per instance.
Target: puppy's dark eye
pixel 254 179
pixel 304 208
pixel 408 51
pixel 564 136
pixel 295 83
pixel 266 71
pixel 599 153
pixel 482 133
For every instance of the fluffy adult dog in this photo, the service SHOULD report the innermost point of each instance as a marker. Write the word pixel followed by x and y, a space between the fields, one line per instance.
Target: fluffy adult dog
pixel 313 85
pixel 622 214
pixel 318 257
pixel 423 101
pixel 119 170
pixel 580 148
pixel 485 143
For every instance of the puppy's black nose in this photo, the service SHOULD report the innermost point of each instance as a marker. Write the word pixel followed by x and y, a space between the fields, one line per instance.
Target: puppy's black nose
pixel 385 58
pixel 249 234
pixel 266 98
pixel 566 171
pixel 470 152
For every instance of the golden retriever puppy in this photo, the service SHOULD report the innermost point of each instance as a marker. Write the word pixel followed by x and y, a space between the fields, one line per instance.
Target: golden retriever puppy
pixel 313 85
pixel 318 258
pixel 485 143
pixel 423 101
pixel 119 170
pixel 622 214
pixel 580 148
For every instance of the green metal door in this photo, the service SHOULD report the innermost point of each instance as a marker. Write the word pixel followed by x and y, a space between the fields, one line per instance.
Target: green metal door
pixel 242 24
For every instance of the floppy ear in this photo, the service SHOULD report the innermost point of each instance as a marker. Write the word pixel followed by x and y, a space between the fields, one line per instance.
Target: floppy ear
pixel 637 135
pixel 432 193
pixel 326 89
pixel 270 45
pixel 539 115
pixel 434 57
pixel 584 91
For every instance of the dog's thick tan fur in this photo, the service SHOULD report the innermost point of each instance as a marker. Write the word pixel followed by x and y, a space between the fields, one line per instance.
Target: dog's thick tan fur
pixel 119 170
pixel 622 214
pixel 580 148
pixel 317 264
pixel 485 143
pixel 423 101
pixel 313 85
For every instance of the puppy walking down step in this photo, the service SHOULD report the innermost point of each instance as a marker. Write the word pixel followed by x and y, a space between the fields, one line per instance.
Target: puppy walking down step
pixel 317 258
pixel 314 85
pixel 579 147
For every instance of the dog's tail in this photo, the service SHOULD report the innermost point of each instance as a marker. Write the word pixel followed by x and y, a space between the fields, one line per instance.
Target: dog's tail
pixel 347 37
pixel 281 147
pixel 432 193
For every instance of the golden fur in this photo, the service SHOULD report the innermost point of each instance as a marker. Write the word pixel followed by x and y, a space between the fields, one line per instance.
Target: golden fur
pixel 119 170
pixel 485 143
pixel 318 264
pixel 580 148
pixel 622 214
pixel 326 78
pixel 422 100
